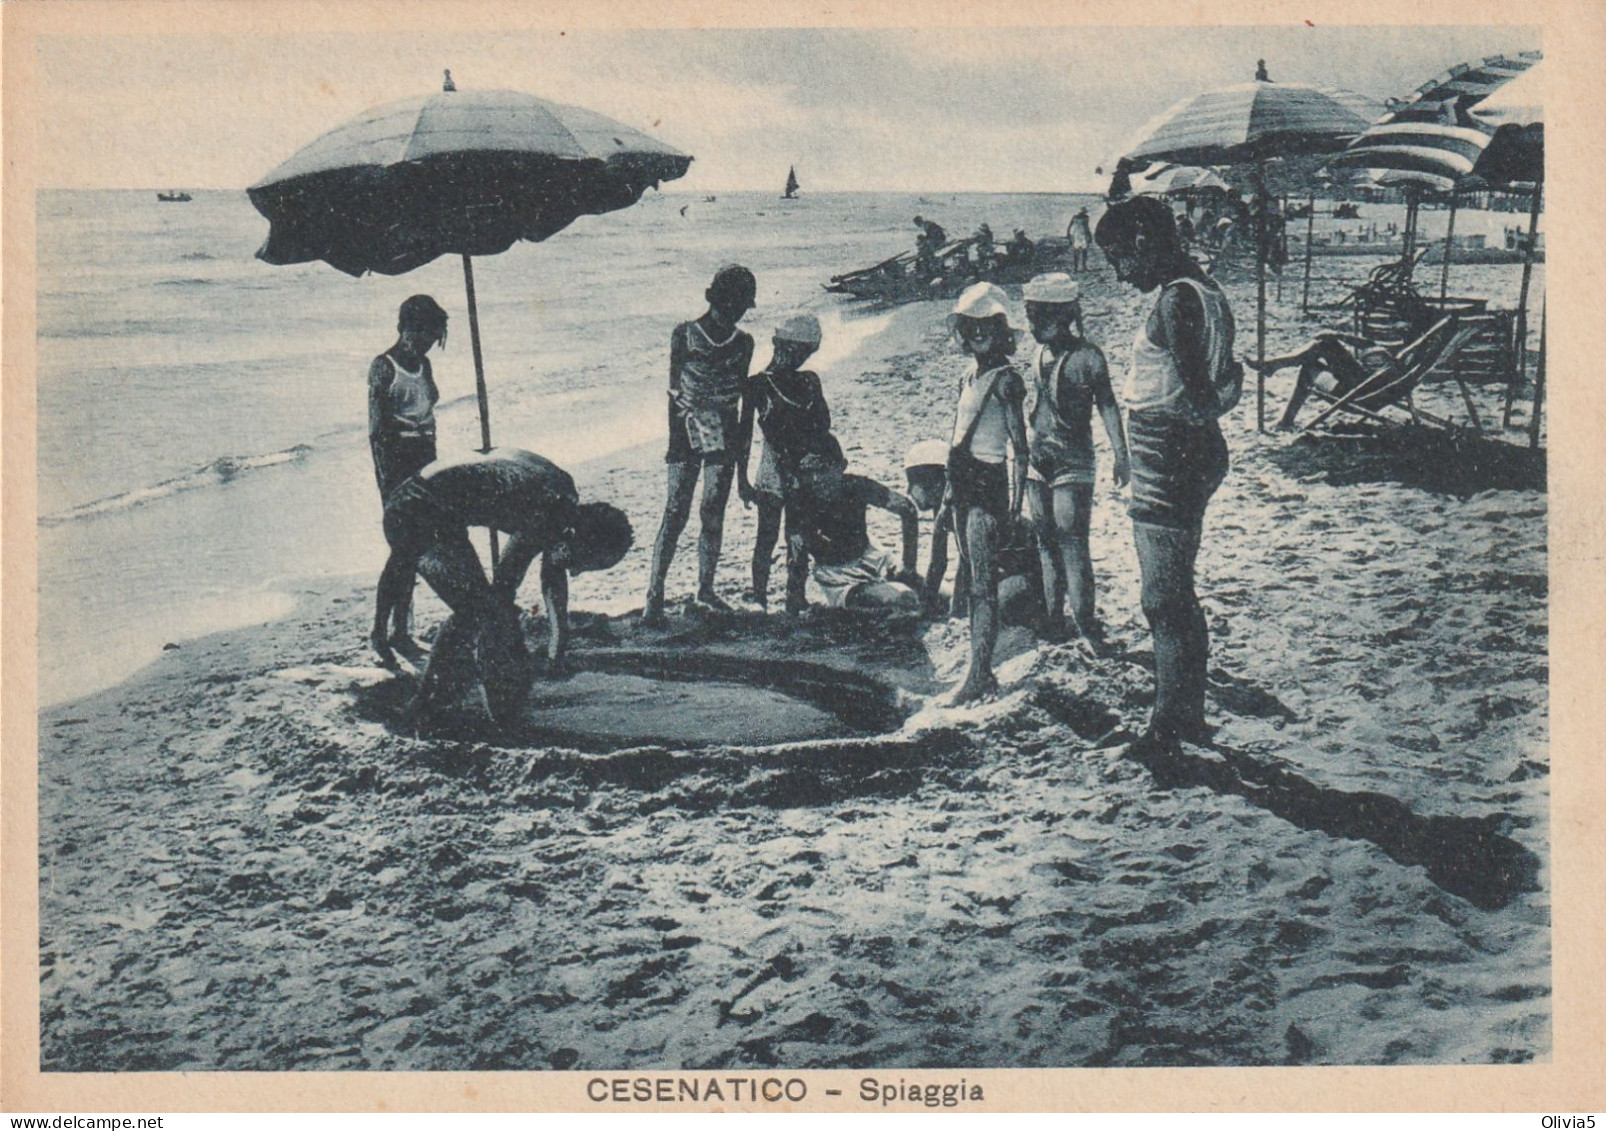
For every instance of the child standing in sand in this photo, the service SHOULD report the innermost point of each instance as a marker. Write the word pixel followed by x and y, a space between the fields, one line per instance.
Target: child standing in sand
pixel 989 426
pixel 1069 379
pixel 708 363
pixel 790 405
pixel 401 435
pixel 1183 377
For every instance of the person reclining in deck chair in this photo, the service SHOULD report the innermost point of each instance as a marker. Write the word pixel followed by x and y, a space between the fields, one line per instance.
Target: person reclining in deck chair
pixel 1335 364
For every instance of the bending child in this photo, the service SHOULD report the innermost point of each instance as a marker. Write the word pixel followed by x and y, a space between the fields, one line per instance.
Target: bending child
pixel 426 523
pixel 830 527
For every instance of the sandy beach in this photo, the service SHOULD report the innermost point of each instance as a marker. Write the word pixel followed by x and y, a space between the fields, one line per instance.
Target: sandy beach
pixel 247 863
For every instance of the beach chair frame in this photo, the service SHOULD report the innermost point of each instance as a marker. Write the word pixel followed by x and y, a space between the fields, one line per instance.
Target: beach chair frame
pixel 1414 361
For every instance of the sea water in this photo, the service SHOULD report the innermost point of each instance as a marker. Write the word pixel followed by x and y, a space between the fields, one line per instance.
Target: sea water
pixel 203 415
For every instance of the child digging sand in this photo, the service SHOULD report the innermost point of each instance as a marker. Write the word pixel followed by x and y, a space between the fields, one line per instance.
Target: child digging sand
pixel 1069 378
pixel 988 426
pixel 791 410
pixel 708 362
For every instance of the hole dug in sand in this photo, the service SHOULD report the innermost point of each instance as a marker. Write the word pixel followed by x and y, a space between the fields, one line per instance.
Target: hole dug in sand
pixel 621 699
pixel 747 681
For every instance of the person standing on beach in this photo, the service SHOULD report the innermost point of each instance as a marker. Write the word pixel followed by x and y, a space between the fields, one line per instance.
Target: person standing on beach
pixel 708 364
pixel 988 424
pixel 790 405
pixel 1081 237
pixel 401 434
pixel 1069 379
pixel 1183 376
pixel 427 518
pixel 1019 570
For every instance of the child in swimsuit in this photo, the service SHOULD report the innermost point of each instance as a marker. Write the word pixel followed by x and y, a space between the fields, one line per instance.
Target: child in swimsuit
pixel 708 362
pixel 1178 454
pixel 988 426
pixel 1069 378
pixel 791 410
pixel 1020 577
pixel 829 527
pixel 401 434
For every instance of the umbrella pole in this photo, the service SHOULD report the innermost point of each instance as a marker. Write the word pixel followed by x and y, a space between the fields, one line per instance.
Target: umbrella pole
pixel 1282 215
pixel 1310 239
pixel 1449 244
pixel 1260 300
pixel 479 376
pixel 1539 386
pixel 1522 301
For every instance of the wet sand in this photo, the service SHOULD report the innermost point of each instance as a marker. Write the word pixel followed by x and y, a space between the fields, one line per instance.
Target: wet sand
pixel 247 863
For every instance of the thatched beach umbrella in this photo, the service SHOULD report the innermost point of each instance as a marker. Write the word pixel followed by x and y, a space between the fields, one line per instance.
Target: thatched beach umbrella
pixel 1249 124
pixel 465 173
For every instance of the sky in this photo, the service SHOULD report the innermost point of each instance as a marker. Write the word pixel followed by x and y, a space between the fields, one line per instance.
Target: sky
pixel 989 110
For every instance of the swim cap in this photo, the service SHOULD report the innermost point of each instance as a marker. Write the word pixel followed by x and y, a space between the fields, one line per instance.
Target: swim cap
pixel 980 301
pixel 1054 287
pixel 926 453
pixel 803 328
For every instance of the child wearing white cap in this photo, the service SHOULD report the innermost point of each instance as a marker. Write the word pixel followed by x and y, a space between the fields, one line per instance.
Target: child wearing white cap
pixel 989 425
pixel 1069 378
pixel 790 406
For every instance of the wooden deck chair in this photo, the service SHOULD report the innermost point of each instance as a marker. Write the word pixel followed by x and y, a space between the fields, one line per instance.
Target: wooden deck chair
pixel 1389 385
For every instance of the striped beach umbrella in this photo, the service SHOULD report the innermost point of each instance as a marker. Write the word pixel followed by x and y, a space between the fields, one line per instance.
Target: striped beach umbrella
pixel 1245 123
pixel 1167 179
pixel 1249 124
pixel 1433 130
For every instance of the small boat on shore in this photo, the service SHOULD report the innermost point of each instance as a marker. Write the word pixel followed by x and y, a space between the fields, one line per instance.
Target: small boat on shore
pixel 174 197
pixel 899 279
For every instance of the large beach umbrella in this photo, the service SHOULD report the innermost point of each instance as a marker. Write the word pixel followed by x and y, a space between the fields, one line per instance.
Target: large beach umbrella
pixel 1249 124
pixel 467 173
pixel 1166 179
pixel 1433 131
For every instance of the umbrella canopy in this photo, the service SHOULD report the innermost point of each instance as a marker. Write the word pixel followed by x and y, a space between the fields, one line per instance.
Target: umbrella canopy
pixel 1249 123
pixel 1246 122
pixel 458 172
pixel 1516 153
pixel 1164 179
pixel 1433 130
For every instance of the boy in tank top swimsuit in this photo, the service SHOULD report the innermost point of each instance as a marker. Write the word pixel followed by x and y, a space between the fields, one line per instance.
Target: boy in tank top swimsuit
pixel 1178 454
pixel 401 435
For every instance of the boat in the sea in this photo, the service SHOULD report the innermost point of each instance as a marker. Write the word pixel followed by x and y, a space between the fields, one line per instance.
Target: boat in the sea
pixel 791 185
pixel 955 267
pixel 175 197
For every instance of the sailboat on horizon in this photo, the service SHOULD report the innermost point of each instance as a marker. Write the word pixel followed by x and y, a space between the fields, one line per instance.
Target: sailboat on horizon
pixel 791 184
